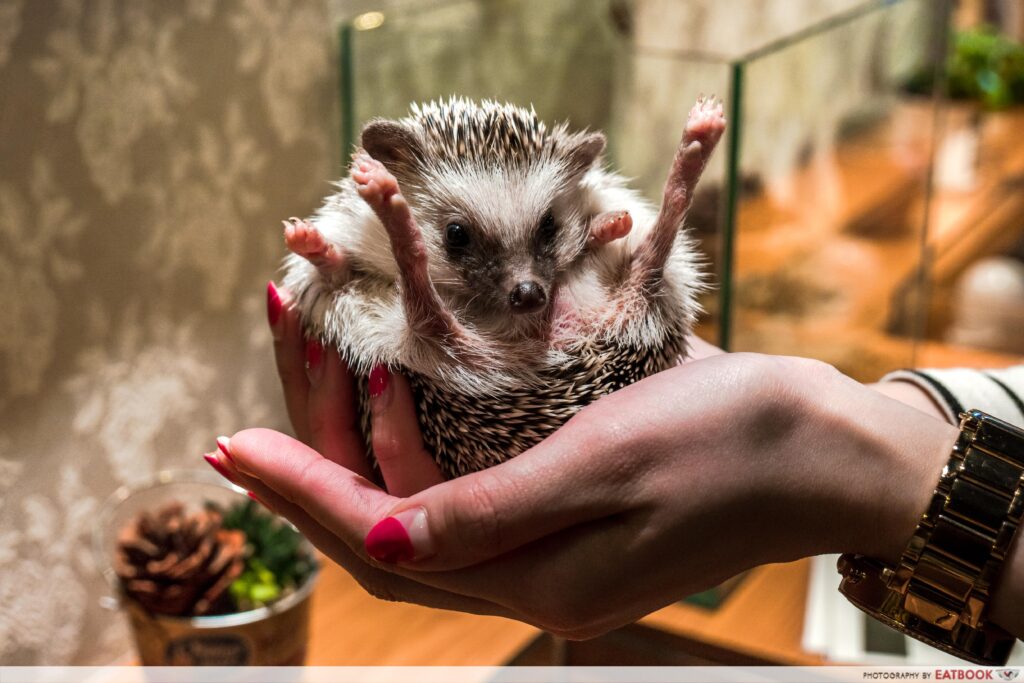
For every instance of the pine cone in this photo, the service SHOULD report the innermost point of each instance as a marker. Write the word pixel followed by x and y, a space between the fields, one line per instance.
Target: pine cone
pixel 178 564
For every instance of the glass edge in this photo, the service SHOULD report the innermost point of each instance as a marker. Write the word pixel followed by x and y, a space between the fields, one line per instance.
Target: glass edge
pixel 823 26
pixel 346 90
pixel 728 228
pixel 938 97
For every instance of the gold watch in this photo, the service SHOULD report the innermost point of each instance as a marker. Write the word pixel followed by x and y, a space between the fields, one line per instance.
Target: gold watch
pixel 939 590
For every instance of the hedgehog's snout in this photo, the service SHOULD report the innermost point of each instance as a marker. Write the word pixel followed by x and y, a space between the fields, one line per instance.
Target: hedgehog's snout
pixel 527 297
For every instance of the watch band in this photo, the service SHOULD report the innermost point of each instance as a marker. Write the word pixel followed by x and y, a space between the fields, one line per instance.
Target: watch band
pixel 939 590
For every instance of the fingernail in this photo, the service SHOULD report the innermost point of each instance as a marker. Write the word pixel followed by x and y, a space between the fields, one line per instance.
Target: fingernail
pixel 224 444
pixel 259 500
pixel 314 361
pixel 403 537
pixel 379 380
pixel 274 308
pixel 212 460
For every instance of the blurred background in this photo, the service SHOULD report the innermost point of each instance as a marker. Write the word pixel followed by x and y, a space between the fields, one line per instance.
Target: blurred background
pixel 866 209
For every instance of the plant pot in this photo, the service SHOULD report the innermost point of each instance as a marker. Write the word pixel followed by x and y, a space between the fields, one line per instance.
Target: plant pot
pixel 274 635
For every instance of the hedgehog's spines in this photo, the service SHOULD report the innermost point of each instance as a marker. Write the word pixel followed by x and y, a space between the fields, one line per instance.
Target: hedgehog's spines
pixel 489 133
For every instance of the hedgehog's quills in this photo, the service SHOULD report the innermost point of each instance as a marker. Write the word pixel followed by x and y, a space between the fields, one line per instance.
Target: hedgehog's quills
pixel 424 258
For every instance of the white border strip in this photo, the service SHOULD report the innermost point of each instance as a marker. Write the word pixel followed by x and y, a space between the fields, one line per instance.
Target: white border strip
pixel 526 674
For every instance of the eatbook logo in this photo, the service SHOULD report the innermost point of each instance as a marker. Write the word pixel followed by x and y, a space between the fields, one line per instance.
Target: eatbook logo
pixel 1008 674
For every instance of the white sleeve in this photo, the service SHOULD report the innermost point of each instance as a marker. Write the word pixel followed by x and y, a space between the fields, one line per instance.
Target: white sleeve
pixel 997 392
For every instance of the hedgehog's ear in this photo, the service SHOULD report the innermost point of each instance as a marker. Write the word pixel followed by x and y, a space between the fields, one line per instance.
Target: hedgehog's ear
pixel 584 151
pixel 390 143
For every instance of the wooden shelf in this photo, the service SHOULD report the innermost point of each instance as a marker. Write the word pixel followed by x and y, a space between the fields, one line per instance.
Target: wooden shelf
pixel 826 262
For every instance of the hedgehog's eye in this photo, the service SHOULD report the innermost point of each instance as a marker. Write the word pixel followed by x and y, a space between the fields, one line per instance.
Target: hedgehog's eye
pixel 456 236
pixel 548 227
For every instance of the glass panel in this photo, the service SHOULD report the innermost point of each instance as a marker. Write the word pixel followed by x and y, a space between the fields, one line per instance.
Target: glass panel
pixel 976 283
pixel 833 184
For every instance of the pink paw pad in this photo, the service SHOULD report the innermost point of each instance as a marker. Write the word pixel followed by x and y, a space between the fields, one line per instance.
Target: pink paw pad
pixel 707 120
pixel 374 182
pixel 304 239
pixel 610 226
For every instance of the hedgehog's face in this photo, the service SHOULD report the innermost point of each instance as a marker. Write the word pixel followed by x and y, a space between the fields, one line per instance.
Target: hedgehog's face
pixel 503 237
pixel 501 227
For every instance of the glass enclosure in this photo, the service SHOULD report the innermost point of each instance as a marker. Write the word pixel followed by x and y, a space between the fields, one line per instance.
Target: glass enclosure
pixel 813 214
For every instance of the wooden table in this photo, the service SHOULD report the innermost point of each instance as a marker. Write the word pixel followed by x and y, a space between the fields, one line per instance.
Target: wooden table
pixel 762 618
pixel 351 628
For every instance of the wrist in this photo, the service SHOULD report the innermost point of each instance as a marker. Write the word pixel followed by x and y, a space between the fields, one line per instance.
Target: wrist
pixel 952 587
pixel 880 463
pixel 912 395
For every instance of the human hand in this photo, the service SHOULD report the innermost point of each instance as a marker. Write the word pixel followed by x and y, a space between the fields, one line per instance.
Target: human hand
pixel 319 392
pixel 661 489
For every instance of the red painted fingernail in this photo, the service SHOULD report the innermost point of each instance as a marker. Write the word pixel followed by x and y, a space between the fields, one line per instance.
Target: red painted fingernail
pixel 314 361
pixel 224 444
pixel 402 537
pixel 274 308
pixel 379 379
pixel 388 541
pixel 211 459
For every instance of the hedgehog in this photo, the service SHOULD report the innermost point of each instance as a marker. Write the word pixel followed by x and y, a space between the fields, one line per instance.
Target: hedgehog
pixel 502 268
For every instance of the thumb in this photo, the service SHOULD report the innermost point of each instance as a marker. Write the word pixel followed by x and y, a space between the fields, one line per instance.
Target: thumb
pixel 486 514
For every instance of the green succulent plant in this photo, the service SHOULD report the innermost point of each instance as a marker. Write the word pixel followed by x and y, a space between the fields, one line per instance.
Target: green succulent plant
pixel 276 560
pixel 983 66
pixel 986 67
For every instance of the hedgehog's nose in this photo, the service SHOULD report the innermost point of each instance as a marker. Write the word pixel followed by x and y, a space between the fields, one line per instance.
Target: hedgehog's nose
pixel 527 297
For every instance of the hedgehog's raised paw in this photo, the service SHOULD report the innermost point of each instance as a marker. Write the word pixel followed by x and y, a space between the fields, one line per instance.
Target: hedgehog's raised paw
pixel 703 130
pixel 610 226
pixel 705 124
pixel 374 182
pixel 305 240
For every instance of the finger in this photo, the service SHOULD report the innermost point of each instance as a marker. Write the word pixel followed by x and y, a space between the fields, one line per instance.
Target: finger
pixel 404 462
pixel 543 581
pixel 457 523
pixel 381 584
pixel 332 413
pixel 341 500
pixel 289 353
pixel 563 481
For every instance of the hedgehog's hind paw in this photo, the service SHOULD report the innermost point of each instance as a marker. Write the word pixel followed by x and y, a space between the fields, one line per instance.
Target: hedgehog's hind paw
pixel 703 130
pixel 305 240
pixel 705 124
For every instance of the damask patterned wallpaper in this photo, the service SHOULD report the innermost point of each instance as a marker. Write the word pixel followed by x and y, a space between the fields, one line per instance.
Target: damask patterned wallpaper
pixel 146 150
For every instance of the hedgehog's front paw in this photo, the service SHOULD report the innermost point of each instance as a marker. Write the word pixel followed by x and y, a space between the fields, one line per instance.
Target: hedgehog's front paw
pixel 374 182
pixel 610 226
pixel 705 124
pixel 305 240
